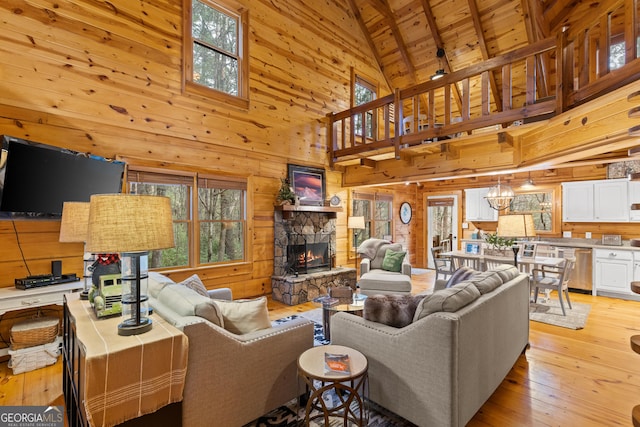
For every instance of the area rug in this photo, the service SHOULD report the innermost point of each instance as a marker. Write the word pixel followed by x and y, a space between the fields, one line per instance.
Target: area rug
pixel 551 313
pixel 290 415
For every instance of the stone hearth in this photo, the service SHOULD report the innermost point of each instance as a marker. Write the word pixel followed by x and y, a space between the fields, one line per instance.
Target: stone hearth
pixel 294 290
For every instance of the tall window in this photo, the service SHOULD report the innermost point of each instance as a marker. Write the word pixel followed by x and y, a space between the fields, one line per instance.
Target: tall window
pixel 209 216
pixel 215 50
pixel 377 212
pixel 363 92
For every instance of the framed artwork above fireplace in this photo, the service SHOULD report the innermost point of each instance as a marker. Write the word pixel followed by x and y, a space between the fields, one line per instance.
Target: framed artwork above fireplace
pixel 308 184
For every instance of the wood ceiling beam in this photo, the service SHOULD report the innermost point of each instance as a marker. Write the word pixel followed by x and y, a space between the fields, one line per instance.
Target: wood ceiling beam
pixel 537 28
pixel 383 7
pixel 477 25
pixel 372 46
pixel 437 39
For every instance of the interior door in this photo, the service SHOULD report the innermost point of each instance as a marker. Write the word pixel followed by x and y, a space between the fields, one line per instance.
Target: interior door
pixel 442 223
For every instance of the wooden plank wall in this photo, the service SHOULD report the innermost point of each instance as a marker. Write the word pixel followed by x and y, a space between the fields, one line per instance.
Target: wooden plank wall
pixel 105 78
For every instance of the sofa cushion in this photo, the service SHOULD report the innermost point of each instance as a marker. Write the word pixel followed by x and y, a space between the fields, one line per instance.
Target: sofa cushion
pixel 460 275
pixel 193 282
pixel 376 263
pixel 449 299
pixel 156 282
pixel 507 272
pixel 392 310
pixel 393 260
pixel 245 315
pixel 486 281
pixel 187 302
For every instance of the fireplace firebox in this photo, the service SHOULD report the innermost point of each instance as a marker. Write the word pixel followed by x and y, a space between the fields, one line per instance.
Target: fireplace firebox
pixel 308 257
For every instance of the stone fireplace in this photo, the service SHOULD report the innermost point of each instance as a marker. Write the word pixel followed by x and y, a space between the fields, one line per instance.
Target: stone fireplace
pixel 304 254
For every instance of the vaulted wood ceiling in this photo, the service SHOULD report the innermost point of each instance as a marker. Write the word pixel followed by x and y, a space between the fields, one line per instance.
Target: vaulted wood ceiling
pixel 405 36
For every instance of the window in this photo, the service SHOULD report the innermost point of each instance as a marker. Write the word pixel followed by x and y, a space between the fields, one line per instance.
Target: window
pixel 377 212
pixel 540 205
pixel 215 50
pixel 364 91
pixel 209 216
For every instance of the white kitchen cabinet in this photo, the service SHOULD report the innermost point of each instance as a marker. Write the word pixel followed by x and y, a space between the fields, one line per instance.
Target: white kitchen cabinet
pixel 611 200
pixel 577 201
pixel 634 197
pixel 596 201
pixel 614 271
pixel 476 206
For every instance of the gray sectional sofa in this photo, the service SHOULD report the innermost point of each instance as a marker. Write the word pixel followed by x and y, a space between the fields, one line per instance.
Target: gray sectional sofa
pixel 461 343
pixel 231 378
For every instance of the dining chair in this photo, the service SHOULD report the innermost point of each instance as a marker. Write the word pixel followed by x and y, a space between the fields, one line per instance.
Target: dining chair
pixel 471 261
pixel 554 278
pixel 443 264
pixel 492 262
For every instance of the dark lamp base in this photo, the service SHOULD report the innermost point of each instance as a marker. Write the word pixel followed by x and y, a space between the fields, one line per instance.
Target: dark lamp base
pixel 129 327
pixel 84 294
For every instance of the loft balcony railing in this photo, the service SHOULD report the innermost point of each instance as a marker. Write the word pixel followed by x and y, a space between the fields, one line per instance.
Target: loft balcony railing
pixel 532 83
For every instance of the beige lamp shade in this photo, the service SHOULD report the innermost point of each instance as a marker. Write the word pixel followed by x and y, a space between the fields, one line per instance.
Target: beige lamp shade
pixel 355 223
pixel 74 222
pixel 129 223
pixel 519 225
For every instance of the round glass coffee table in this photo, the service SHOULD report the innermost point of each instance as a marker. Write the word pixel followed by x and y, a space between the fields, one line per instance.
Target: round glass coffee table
pixel 335 395
pixel 330 306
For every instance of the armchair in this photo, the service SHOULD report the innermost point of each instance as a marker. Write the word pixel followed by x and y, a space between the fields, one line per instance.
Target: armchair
pixel 376 276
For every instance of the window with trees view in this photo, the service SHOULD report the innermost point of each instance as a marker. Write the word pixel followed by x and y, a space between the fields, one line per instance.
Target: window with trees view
pixel 363 92
pixel 209 216
pixel 377 212
pixel 215 53
pixel 540 205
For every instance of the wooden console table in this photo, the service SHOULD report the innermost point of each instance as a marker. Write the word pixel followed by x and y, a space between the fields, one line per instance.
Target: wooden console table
pixel 109 379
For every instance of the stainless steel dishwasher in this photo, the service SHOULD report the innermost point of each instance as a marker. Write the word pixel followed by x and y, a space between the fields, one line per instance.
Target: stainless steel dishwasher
pixel 582 276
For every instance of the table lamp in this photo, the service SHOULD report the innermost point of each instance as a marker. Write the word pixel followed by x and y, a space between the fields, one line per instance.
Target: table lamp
pixel 355 223
pixel 516 226
pixel 73 228
pixel 132 225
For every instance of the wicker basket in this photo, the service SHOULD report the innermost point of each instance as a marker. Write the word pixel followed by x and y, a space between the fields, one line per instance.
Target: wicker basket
pixel 36 331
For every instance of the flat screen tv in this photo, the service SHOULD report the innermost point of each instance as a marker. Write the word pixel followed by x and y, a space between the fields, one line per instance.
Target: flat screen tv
pixel 36 179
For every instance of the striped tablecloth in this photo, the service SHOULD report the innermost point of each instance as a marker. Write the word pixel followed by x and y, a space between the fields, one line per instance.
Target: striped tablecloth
pixel 127 376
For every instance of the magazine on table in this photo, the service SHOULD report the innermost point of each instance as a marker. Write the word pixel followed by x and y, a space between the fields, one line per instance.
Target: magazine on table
pixel 336 363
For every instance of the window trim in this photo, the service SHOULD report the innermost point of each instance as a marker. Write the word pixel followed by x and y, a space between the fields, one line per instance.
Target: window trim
pixel 556 216
pixel 373 197
pixel 189 87
pixel 193 176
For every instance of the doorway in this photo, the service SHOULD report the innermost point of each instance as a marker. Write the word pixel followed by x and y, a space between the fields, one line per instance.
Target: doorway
pixel 442 224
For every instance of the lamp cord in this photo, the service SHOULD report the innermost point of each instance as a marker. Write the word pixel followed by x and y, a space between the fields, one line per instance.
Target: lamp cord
pixel 24 261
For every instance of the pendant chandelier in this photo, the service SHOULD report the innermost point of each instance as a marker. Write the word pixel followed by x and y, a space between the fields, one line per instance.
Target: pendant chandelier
pixel 500 196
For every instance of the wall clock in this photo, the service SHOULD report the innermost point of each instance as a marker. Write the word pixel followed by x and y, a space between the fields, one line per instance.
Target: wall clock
pixel 334 201
pixel 405 213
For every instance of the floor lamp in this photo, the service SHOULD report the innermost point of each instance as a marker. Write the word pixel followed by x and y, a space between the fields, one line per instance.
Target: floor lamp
pixel 73 228
pixel 355 223
pixel 516 226
pixel 131 225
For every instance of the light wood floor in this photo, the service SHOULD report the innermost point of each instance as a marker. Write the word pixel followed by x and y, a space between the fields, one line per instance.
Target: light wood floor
pixel 589 377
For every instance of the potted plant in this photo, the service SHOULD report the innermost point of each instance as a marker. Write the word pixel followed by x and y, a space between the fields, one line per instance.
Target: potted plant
pixel 285 196
pixel 499 245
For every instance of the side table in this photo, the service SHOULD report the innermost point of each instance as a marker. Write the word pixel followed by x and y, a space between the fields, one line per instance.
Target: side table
pixel 345 394
pixel 330 306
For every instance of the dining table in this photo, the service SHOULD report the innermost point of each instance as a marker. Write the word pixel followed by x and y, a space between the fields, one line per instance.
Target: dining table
pixel 478 261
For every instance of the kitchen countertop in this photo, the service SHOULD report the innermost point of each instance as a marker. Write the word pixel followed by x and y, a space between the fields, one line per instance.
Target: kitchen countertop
pixel 578 243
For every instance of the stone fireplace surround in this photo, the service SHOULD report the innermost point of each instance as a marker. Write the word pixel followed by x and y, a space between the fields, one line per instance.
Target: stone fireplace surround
pixel 318 224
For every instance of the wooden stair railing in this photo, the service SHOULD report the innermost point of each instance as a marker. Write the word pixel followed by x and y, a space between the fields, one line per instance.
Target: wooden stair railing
pixel 581 73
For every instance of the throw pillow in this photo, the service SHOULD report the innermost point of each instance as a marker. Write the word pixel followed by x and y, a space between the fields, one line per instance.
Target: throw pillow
pixel 187 302
pixel 449 299
pixel 460 275
pixel 195 284
pixel 156 282
pixel 391 310
pixel 244 316
pixel 376 262
pixel 393 260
